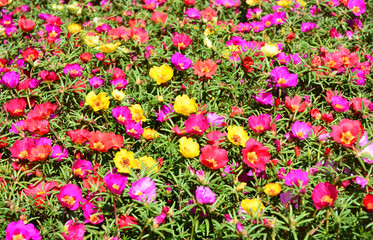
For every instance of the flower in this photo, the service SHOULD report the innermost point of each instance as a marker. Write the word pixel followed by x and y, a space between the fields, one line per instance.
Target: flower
pixel 188 148
pixel 368 202
pixel 124 160
pixel 301 130
pixel 283 78
pixel 164 112
pixel 122 114
pixel 73 70
pixel 92 214
pixel 10 79
pixel 308 26
pixel 59 153
pixel 143 190
pixel 295 104
pixel 204 195
pixel 74 28
pixel 215 120
pixel 339 104
pixel 181 41
pixel 213 157
pixel 357 6
pixel 324 195
pixel 255 155
pixel 137 113
pixel 79 136
pixel 237 135
pixel 205 68
pixel 20 230
pixel 118 95
pixel 261 123
pixel 97 102
pixel 347 132
pixel 161 74
pixel 134 129
pixel 109 47
pixel 81 168
pixel 15 107
pixel 126 221
pixel 272 189
pixel 149 163
pixel 196 124
pixel 116 183
pixel 270 49
pixel 180 61
pixel 295 176
pixel 185 105
pixel 70 196
pixel 73 230
pixel 159 17
pixel 253 207
pixel 100 141
pixel 25 24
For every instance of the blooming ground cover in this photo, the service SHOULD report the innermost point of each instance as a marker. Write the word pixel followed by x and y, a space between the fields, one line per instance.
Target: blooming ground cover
pixel 186 119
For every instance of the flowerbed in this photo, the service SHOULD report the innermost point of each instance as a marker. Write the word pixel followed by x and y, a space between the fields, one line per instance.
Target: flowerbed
pixel 187 119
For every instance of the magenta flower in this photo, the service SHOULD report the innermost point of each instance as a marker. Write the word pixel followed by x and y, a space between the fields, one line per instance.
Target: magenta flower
pixel 267 20
pixel 257 26
pixel 73 70
pixel 92 214
pixel 301 130
pixel 261 123
pixel 196 124
pixel 204 195
pixel 119 83
pixel 96 82
pixel 368 150
pixel 283 78
pixel 264 98
pixel 75 230
pixel 100 56
pixel 143 190
pixel 361 181
pixel 193 13
pixel 181 62
pixel 163 113
pixel 54 31
pixel 324 195
pixel 10 79
pixel 279 18
pixel 116 183
pixel 81 168
pixel 214 119
pixel 20 230
pixel 122 114
pixel 339 103
pixel 134 129
pixel 70 196
pixel 295 176
pixel 59 153
pixel 308 26
pixel 357 6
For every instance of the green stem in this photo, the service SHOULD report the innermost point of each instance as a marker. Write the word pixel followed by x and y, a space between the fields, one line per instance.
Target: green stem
pixel 193 226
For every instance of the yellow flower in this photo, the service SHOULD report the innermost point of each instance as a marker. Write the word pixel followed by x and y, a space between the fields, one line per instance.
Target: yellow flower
pixel 150 134
pixel 302 3
pixel 237 135
pixel 207 42
pixel 91 41
pixel 57 7
pixel 240 186
pixel 185 105
pixel 118 95
pixel 74 28
pixel 149 162
pixel 161 74
pixel 284 3
pixel 109 47
pixel 124 160
pixel 253 207
pixel 252 2
pixel 272 189
pixel 137 113
pixel 74 7
pixel 97 102
pixel 270 49
pixel 188 147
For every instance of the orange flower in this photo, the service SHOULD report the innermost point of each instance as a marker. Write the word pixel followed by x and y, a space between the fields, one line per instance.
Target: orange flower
pixel 100 141
pixel 206 68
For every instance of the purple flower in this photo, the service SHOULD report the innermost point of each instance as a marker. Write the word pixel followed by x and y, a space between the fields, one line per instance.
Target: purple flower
pixel 301 130
pixel 264 98
pixel 163 113
pixel 73 70
pixel 20 230
pixel 10 79
pixel 339 103
pixel 181 62
pixel 100 56
pixel 288 197
pixel 308 26
pixel 134 129
pixel 143 190
pixel 214 119
pixel 122 114
pixel 96 82
pixel 295 176
pixel 193 13
pixel 204 195
pixel 283 78
pixel 59 153
pixel 119 83
pixel 116 183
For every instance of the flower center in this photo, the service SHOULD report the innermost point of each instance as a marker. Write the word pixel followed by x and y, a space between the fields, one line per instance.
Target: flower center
pixel 327 199
pixel 252 157
pixel 281 81
pixel 347 137
pixel 339 106
pixel 212 161
pixel 78 171
pixel 331 63
pixel 98 145
pixel 18 237
pixel 139 193
pixel 23 154
pixel 115 186
pixel 300 134
pixel 356 9
pixel 121 118
pixel 181 45
pixel 94 218
pixel 197 129
pixel 259 128
pixel 69 200
pixel 205 69
pixel 236 139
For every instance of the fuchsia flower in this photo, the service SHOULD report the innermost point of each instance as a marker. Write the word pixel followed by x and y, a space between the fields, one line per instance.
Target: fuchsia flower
pixel 73 70
pixel 22 231
pixel 96 82
pixel 181 62
pixel 196 124
pixel 70 196
pixel 261 123
pixel 116 183
pixel 134 129
pixel 361 181
pixel 59 153
pixel 339 104
pixel 143 190
pixel 92 214
pixel 122 114
pixel 73 230
pixel 81 168
pixel 119 83
pixel 283 78
pixel 357 6
pixel 295 176
pixel 204 195
pixel 162 114
pixel 215 120
pixel 181 41
pixel 308 26
pixel 264 98
pixel 301 130
pixel 10 79
pixel 193 13
pixel 324 195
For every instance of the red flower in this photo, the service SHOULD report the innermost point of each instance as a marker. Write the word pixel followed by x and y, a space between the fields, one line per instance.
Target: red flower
pixel 315 114
pixel 324 195
pixel 206 68
pixel 213 157
pixel 40 191
pixel 247 62
pixel 3 142
pixel 100 141
pixel 196 124
pixel 15 107
pixel 159 17
pixel 39 127
pixel 30 54
pixel 181 41
pixel 26 24
pixel 216 137
pixel 126 221
pixel 91 182
pixel 255 155
pixel 42 111
pixel 48 76
pixel 117 141
pixel 295 104
pixel 85 57
pixel 327 117
pixel 39 153
pixel 79 136
pixel 236 111
pixel 297 151
pixel 368 202
pixel 347 132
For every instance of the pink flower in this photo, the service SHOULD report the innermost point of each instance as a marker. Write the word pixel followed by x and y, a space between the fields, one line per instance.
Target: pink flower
pixel 308 26
pixel 10 79
pixel 283 78
pixel 361 181
pixel 122 114
pixel 59 153
pixel 143 190
pixel 75 230
pixel 196 124
pixel 357 6
pixel 19 230
pixel 261 123
pixel 116 183
pixel 324 195
pixel 181 41
pixel 81 168
pixel 339 104
pixel 134 129
pixel 301 130
pixel 73 70
pixel 70 196
pixel 92 214
pixel 180 61
pixel 295 176
pixel 264 98
pixel 204 195
pixel 213 157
